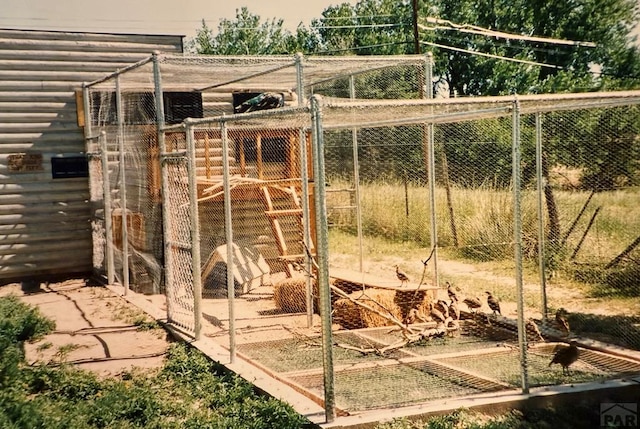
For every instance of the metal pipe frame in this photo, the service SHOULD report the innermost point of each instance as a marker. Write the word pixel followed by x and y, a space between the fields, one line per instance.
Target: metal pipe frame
pixel 304 178
pixel 356 177
pixel 122 70
pixel 106 198
pixel 540 202
pixel 164 184
pixel 517 237
pixel 228 228
pixel 431 168
pixel 195 232
pixel 322 244
pixel 123 189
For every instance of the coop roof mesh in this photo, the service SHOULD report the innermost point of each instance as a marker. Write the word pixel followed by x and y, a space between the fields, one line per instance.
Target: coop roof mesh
pixel 228 74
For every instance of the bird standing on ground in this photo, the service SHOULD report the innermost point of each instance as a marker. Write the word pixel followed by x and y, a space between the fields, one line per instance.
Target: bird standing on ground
pixel 436 314
pixel 473 303
pixel 561 320
pixel 565 356
pixel 453 296
pixel 532 328
pixel 443 307
pixel 401 276
pixel 493 303
pixel 454 311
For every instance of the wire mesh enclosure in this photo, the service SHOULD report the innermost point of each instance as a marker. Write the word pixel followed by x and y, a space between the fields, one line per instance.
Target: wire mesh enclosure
pixel 368 245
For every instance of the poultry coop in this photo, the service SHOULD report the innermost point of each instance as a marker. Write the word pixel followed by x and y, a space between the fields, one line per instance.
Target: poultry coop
pixel 314 182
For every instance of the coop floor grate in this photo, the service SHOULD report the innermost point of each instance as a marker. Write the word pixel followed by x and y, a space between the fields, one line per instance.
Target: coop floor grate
pixel 438 368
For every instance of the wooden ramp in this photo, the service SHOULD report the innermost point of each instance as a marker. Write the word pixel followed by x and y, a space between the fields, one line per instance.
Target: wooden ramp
pixel 375 281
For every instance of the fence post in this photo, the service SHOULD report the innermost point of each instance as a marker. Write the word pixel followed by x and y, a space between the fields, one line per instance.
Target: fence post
pixel 322 245
pixel 123 189
pixel 106 198
pixel 541 235
pixel 228 228
pixel 431 170
pixel 517 235
pixel 164 182
pixel 195 230
pixel 356 177
pixel 304 179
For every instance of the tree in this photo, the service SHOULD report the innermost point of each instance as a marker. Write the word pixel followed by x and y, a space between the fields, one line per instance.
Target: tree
pixel 569 68
pixel 246 35
pixel 371 27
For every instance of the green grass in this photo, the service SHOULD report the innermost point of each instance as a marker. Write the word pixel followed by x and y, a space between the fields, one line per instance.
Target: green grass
pixel 190 391
pixel 483 220
pixel 580 415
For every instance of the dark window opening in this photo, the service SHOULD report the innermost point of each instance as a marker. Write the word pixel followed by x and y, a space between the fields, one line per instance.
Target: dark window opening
pixel 139 108
pixel 274 149
pixel 69 166
pixel 179 106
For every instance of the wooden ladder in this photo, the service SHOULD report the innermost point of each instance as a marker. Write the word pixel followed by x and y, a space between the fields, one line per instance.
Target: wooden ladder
pixel 275 214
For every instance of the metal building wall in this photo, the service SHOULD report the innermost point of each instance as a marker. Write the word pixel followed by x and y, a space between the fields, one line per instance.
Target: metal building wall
pixel 45 224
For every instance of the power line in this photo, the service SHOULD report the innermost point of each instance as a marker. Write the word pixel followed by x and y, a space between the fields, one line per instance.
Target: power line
pixel 468 51
pixel 358 26
pixel 357 48
pixel 474 29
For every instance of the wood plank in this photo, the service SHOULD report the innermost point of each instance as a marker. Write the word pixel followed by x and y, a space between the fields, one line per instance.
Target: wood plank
pixel 285 212
pixel 375 281
pixel 80 108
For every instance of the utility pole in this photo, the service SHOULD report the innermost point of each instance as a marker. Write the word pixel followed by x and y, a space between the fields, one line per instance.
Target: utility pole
pixel 416 40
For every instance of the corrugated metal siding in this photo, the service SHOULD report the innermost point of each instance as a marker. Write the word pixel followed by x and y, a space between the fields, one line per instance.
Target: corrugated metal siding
pixel 45 224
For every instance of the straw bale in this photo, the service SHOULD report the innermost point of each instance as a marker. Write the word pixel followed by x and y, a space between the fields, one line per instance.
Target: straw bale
pixel 352 316
pixel 408 300
pixel 290 294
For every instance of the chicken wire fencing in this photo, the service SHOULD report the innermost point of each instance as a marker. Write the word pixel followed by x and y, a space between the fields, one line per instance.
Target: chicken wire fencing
pixel 472 241
pixel 383 252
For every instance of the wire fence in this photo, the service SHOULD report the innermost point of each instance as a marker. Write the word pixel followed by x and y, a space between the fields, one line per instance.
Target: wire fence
pixel 384 249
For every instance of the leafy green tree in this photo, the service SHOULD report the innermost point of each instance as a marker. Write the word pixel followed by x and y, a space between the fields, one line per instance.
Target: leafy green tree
pixel 245 35
pixel 370 27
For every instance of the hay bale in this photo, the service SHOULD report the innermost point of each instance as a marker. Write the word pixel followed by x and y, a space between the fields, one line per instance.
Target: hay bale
pixel 352 316
pixel 409 300
pixel 290 294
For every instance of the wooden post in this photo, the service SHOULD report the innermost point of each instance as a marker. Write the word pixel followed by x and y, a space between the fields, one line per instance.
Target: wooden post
pixel 575 221
pixel 586 231
pixel 259 156
pixel 207 160
pixel 624 253
pixel 445 179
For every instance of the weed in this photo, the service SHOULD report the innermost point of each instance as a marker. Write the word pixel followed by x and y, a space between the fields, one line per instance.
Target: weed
pixel 63 351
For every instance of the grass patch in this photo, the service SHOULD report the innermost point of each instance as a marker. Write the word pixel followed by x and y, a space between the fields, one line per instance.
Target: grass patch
pixel 577 415
pixel 190 391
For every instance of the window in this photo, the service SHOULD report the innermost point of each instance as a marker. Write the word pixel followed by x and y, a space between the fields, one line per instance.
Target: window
pixel 139 108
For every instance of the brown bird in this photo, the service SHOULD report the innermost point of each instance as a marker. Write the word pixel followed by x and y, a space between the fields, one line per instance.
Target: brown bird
pixel 453 296
pixel 443 307
pixel 436 314
pixel 561 320
pixel 454 311
pixel 565 356
pixel 532 328
pixel 493 303
pixel 473 303
pixel 401 276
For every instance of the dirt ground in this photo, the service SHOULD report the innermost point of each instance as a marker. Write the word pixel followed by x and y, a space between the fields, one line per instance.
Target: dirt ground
pixel 95 329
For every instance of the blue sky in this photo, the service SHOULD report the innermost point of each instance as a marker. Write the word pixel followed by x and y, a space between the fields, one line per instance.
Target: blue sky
pixel 181 17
